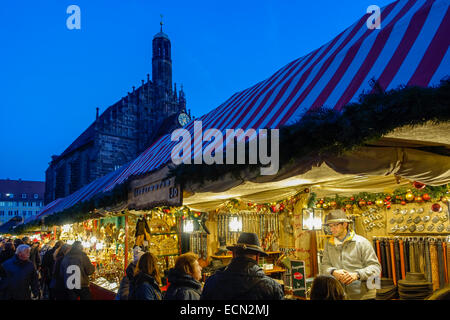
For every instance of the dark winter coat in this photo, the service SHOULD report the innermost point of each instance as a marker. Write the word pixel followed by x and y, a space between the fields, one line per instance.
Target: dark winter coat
pixel 77 257
pixel 20 276
pixel 182 286
pixel 6 255
pixel 35 257
pixel 48 263
pixel 124 288
pixel 144 287
pixel 242 279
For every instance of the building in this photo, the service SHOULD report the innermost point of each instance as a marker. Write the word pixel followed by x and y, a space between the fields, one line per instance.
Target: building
pixel 20 198
pixel 122 131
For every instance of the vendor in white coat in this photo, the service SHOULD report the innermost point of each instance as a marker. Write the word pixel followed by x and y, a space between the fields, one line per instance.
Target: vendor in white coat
pixel 350 258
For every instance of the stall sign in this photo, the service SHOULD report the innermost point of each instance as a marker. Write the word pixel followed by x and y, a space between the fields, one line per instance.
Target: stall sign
pixel 155 190
pixel 298 278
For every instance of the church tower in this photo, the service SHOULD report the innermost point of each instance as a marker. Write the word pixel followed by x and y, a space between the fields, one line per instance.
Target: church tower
pixel 162 63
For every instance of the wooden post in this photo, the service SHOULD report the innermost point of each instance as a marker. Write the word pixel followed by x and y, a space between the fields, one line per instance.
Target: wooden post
pixel 313 253
pixel 126 246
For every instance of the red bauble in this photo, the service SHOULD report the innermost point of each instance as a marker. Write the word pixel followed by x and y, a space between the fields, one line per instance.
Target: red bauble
pixel 403 202
pixel 418 185
pixel 436 207
pixel 321 201
pixel 362 203
pixel 388 198
pixel 369 203
pixel 426 197
pixel 352 199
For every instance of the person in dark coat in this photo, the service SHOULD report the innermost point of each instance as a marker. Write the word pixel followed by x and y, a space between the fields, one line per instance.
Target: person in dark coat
pixel 8 252
pixel 185 278
pixel 124 288
pixel 145 285
pixel 57 285
pixel 34 255
pixel 17 242
pixel 48 262
pixel 76 257
pixel 19 276
pixel 242 278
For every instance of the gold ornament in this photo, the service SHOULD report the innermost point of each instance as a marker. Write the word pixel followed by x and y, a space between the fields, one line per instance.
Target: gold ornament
pixel 409 196
pixel 379 203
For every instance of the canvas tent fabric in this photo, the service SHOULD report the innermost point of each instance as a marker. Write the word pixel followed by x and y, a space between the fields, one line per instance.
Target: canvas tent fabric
pixel 410 48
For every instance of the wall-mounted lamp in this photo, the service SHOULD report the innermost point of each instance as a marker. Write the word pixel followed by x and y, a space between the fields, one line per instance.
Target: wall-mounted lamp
pixel 312 219
pixel 235 224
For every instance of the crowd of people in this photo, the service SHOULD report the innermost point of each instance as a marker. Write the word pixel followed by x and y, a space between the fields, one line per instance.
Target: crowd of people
pixel 29 271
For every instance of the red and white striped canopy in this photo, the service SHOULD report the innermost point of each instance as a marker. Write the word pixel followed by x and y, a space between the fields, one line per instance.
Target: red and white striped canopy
pixel 410 48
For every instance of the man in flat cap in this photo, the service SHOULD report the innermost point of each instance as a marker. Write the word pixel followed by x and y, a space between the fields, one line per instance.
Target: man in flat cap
pixel 243 278
pixel 350 258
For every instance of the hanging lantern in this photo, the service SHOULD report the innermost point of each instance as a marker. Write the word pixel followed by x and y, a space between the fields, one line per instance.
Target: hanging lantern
pixel 436 207
pixel 379 203
pixel 418 185
pixel 409 196
pixel 426 197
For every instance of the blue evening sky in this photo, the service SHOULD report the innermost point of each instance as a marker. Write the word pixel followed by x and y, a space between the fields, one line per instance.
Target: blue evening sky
pixel 53 78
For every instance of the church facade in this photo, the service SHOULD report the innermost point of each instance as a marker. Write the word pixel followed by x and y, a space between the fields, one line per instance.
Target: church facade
pixel 122 131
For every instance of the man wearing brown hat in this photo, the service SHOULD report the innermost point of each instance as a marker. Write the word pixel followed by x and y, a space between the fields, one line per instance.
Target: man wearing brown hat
pixel 350 258
pixel 243 278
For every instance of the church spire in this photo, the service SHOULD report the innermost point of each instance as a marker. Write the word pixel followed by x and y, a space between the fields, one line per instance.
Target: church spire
pixel 161 23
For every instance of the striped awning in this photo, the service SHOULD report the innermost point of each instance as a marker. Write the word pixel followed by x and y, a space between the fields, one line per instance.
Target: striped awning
pixel 410 48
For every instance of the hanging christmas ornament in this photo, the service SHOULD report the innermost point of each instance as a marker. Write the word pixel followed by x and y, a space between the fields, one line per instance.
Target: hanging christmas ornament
pixel 388 204
pixel 409 196
pixel 369 203
pixel 321 201
pixel 362 203
pixel 348 206
pixel 418 199
pixel 418 185
pixel 352 199
pixel 379 203
pixel 403 203
pixel 318 205
pixel 426 197
pixel 325 205
pixel 333 204
pixel 436 207
pixel 306 190
pixel 444 199
pixel 282 206
pixel 388 198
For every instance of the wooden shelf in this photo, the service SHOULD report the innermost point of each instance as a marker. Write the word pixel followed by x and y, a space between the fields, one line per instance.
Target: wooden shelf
pixel 275 269
pixel 230 256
